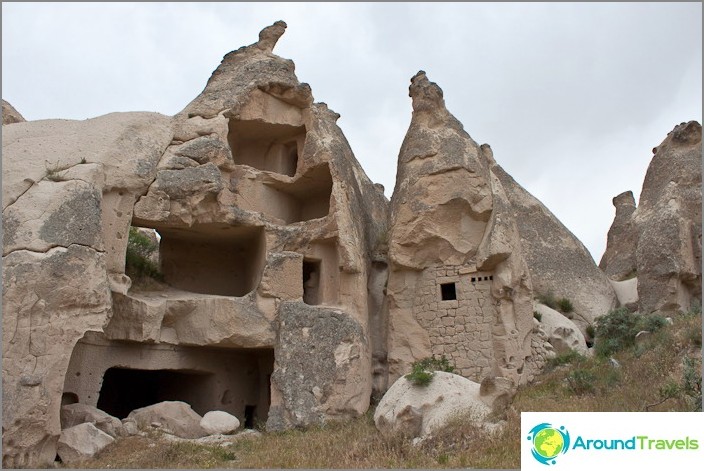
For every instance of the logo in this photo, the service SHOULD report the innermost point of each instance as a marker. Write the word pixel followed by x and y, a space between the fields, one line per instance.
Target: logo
pixel 548 442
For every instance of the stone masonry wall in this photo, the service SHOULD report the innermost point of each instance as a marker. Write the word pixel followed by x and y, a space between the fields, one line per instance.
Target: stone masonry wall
pixel 461 328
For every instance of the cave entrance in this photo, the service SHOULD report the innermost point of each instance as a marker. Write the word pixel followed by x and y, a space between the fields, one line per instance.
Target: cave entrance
pixel 305 199
pixel 207 378
pixel 266 146
pixel 213 258
pixel 125 389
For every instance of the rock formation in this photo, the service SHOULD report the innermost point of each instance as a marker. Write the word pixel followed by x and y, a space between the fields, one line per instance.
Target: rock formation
pixel 619 260
pixel 458 285
pixel 10 114
pixel 286 290
pixel 558 262
pixel 660 241
pixel 269 230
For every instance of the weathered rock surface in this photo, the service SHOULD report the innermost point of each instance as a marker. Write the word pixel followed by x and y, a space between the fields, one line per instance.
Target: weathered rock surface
pixel 81 442
pixel 418 411
pixel 62 220
pixel 627 293
pixel 619 259
pixel 458 285
pixel 558 262
pixel 562 333
pixel 10 114
pixel 219 422
pixel 75 414
pixel 175 417
pixel 334 342
pixel 663 236
pixel 258 202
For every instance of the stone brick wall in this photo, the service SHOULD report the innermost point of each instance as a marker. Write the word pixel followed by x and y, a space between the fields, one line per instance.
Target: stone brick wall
pixel 461 328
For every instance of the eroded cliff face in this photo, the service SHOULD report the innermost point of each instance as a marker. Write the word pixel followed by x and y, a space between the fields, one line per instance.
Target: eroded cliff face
pixel 558 262
pixel 458 285
pixel 268 232
pixel 660 241
pixel 58 178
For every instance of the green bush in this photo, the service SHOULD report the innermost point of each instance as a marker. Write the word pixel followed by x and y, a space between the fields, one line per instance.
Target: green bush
pixel 581 381
pixel 548 300
pixel 562 305
pixel 538 315
pixel 422 370
pixel 617 330
pixel 138 264
pixel 570 356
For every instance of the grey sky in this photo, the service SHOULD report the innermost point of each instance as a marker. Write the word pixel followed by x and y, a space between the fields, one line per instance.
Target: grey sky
pixel 571 97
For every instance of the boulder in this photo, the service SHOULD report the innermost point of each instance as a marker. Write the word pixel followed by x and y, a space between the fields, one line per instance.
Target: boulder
pixel 334 376
pixel 417 411
pixel 75 414
pixel 81 442
pixel 562 333
pixel 174 417
pixel 219 422
pixel 129 427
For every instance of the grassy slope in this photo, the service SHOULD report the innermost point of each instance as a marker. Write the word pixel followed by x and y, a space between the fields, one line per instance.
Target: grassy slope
pixel 650 376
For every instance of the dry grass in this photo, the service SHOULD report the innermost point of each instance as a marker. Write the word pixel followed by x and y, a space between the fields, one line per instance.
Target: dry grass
pixel 648 374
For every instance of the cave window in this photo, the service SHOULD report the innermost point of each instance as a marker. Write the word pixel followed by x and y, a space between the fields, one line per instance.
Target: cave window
pixel 448 292
pixel 265 146
pixel 69 398
pixel 311 282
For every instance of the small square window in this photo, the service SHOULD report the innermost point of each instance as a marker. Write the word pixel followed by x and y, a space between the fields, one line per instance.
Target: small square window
pixel 448 292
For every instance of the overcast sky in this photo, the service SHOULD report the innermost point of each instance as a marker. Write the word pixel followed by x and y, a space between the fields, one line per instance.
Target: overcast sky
pixel 571 97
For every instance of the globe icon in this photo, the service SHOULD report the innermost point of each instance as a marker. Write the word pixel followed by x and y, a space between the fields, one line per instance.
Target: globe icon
pixel 548 443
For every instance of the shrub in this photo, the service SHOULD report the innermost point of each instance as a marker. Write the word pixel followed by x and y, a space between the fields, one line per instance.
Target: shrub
pixel 590 331
pixel 564 305
pixel 617 330
pixel 548 300
pixel 692 382
pixel 581 381
pixel 422 370
pixel 138 264
pixel 570 356
pixel 538 315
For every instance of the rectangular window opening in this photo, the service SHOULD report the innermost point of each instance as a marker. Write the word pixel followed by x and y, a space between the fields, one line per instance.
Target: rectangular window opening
pixel 448 291
pixel 311 282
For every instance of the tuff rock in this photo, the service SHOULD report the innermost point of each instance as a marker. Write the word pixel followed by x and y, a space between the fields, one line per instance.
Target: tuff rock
pixel 10 114
pixel 660 241
pixel 288 291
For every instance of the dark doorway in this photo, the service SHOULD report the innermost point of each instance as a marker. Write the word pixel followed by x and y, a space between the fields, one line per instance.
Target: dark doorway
pixel 311 282
pixel 250 412
pixel 125 390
